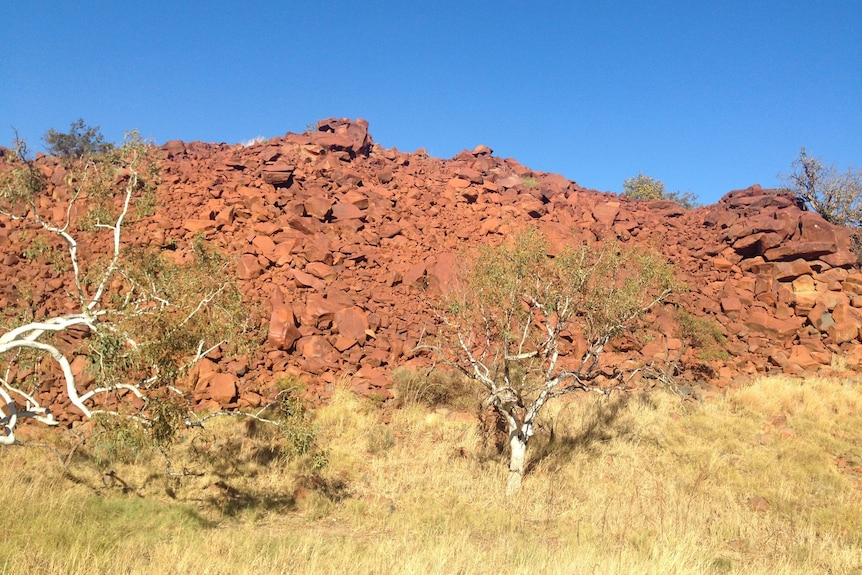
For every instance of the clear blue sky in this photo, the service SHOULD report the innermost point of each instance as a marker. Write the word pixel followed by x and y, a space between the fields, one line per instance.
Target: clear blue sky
pixel 706 96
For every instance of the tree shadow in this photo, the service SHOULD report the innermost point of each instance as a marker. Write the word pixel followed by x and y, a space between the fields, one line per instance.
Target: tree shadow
pixel 210 473
pixel 603 423
pixel 231 501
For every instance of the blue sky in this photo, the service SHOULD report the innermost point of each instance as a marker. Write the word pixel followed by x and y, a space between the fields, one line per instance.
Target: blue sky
pixel 706 96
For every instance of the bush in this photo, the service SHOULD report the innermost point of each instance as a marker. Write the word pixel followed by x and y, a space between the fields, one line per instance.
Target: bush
pixel 702 334
pixel 644 187
pixel 837 196
pixel 79 142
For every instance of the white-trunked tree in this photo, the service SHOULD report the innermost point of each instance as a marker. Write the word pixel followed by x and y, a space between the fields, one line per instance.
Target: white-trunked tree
pixel 529 327
pixel 144 318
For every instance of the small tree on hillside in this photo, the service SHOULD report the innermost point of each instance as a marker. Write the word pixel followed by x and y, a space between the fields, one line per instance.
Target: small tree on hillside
pixel 79 142
pixel 513 320
pixel 644 187
pixel 837 196
pixel 145 319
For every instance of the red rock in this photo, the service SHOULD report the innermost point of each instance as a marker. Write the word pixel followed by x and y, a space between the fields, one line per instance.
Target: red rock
pixel 385 175
pixel 831 299
pixel 344 134
pixel 508 181
pixel 352 323
pixel 801 356
pixel 843 258
pixel 761 321
pixel 800 250
pixel 389 230
pixel 654 350
pixel 731 304
pixel 319 251
pixel 318 206
pixel 853 283
pixel 843 331
pixel 357 198
pixel 414 274
pixel 264 246
pixel 346 211
pixel 283 332
pixel 606 212
pixel 248 267
pixel 278 174
pixel 204 370
pixel 174 148
pixel 820 318
pixel 304 279
pixel 441 275
pixel 756 263
pixel 317 307
pixel 843 311
pixel 316 347
pixel 222 388
pixel 321 271
pixel 790 270
pixel 721 263
pixel 813 228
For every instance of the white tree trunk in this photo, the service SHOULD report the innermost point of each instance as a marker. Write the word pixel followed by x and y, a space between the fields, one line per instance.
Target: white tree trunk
pixel 517 462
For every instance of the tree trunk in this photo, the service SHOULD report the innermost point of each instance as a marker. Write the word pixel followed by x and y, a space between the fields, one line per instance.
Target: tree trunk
pixel 517 462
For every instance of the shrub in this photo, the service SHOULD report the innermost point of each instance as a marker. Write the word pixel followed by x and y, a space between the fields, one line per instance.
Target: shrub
pixel 644 187
pixel 79 142
pixel 702 334
pixel 837 196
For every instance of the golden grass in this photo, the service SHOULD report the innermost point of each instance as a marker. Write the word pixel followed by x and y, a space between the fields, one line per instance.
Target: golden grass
pixel 765 480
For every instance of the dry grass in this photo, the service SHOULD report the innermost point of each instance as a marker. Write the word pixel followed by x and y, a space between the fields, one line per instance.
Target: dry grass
pixel 765 480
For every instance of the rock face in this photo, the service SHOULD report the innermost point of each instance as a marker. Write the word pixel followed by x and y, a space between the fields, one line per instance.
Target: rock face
pixel 342 241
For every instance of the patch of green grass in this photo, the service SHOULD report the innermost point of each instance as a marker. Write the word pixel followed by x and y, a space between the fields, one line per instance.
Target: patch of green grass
pixel 530 182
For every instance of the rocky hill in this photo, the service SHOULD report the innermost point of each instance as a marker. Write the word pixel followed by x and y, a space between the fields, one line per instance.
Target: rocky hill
pixel 343 243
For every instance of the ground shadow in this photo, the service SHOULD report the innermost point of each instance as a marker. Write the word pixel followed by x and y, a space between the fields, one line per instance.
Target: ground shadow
pixel 601 424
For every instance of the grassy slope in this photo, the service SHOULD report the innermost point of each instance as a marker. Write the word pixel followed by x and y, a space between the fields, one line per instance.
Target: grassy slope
pixel 765 480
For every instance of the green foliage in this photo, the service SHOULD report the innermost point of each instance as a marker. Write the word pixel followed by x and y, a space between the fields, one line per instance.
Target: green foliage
pixel 702 334
pixel 150 317
pixel 39 247
pixel 515 301
pixel 22 183
pixel 644 187
pixel 119 440
pixel 165 416
pixel 296 422
pixel 94 181
pixel 81 141
pixel 600 289
pixel 379 439
pixel 837 196
pixel 169 310
pixel 530 182
pixel 96 178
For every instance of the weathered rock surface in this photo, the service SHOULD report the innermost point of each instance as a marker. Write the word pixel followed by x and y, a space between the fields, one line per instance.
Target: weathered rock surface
pixel 342 241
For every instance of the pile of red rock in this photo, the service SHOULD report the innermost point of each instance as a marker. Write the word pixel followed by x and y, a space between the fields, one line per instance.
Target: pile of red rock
pixel 344 243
